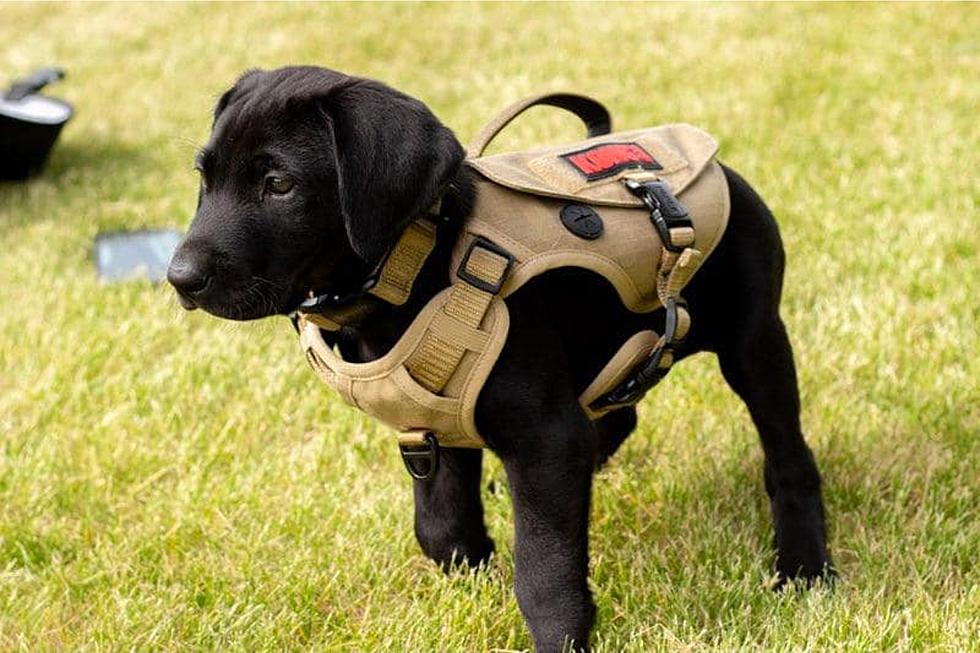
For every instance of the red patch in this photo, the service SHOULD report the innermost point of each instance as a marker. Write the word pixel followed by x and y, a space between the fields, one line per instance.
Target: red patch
pixel 607 159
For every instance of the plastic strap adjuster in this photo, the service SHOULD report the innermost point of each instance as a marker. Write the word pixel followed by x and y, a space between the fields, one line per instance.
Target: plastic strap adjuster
pixel 492 287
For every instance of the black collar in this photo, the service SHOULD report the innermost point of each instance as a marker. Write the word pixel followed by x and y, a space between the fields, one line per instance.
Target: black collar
pixel 341 306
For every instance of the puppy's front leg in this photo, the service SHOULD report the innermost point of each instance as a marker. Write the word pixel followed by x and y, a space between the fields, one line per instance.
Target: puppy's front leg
pixel 449 513
pixel 550 481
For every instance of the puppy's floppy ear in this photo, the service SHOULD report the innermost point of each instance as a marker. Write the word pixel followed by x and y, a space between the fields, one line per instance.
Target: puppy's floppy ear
pixel 394 159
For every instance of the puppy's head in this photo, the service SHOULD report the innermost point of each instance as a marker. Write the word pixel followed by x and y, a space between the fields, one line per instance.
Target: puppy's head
pixel 307 180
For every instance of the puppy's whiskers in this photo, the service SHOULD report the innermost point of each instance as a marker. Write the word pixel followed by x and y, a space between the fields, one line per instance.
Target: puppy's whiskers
pixel 259 297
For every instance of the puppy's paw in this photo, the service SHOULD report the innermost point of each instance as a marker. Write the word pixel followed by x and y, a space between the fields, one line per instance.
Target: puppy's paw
pixel 792 573
pixel 452 556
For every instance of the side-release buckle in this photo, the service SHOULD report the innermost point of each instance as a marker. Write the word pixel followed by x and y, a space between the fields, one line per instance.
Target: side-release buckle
pixel 422 459
pixel 648 373
pixel 666 211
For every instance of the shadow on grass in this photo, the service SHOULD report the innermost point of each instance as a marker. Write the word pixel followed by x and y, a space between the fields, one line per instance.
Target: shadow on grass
pixel 894 511
pixel 72 166
pixel 92 157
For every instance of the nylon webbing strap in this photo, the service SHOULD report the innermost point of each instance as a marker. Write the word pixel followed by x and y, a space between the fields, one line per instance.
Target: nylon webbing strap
pixel 439 353
pixel 406 259
pixel 675 270
pixel 321 321
pixel 678 261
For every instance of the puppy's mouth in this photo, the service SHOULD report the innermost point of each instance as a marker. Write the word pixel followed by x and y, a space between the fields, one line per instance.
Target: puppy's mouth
pixel 340 287
pixel 186 302
pixel 254 300
pixel 253 297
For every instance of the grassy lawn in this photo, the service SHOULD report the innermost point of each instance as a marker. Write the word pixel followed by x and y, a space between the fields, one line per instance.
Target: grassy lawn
pixel 169 481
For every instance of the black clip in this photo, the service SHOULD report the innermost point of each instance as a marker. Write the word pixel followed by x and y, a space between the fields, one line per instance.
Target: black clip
pixel 326 301
pixel 666 211
pixel 421 460
pixel 646 374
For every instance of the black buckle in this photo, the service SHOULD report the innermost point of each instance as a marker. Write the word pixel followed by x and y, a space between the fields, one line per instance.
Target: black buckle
pixel 646 374
pixel 637 384
pixel 666 211
pixel 421 460
pixel 329 300
pixel 492 288
pixel 670 320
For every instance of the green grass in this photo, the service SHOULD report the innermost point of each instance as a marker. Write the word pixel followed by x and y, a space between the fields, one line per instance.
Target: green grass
pixel 169 481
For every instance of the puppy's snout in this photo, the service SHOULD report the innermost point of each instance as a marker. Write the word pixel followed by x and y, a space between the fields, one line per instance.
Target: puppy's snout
pixel 187 277
pixel 189 273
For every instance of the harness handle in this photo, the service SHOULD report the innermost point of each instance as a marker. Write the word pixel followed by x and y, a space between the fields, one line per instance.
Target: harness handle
pixel 591 112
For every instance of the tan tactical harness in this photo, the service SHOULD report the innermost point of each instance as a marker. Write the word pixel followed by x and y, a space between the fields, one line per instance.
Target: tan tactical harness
pixel 635 235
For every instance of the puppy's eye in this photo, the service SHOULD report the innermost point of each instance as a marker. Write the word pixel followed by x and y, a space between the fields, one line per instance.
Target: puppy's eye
pixel 278 185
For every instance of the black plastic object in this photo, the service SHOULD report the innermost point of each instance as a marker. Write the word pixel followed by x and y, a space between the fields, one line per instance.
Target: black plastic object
pixel 422 460
pixel 30 124
pixel 581 220
pixel 646 373
pixel 122 255
pixel 666 211
pixel 491 288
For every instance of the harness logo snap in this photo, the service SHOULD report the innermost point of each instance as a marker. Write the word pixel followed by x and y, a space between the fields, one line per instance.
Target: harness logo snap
pixel 581 220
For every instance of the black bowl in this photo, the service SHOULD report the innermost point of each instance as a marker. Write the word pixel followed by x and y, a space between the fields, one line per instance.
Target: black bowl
pixel 29 128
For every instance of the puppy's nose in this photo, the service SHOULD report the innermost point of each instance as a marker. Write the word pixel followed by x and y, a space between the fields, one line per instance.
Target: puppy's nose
pixel 187 275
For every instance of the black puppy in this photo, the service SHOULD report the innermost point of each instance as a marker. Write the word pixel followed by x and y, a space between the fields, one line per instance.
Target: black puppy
pixel 307 181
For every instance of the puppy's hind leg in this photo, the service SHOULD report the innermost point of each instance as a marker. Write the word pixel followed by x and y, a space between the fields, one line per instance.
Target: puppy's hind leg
pixel 758 365
pixel 449 512
pixel 738 294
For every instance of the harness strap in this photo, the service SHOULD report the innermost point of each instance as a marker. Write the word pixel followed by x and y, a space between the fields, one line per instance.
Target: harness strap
pixel 481 275
pixel 332 319
pixel 678 261
pixel 405 262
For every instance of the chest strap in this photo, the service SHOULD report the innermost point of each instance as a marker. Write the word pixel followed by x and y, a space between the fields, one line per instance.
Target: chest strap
pixel 481 275
pixel 426 386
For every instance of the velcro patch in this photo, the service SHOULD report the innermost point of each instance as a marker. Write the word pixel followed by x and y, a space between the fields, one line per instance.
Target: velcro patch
pixel 606 159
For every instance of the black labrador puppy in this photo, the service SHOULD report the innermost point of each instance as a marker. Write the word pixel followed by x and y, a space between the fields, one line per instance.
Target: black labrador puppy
pixel 307 180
